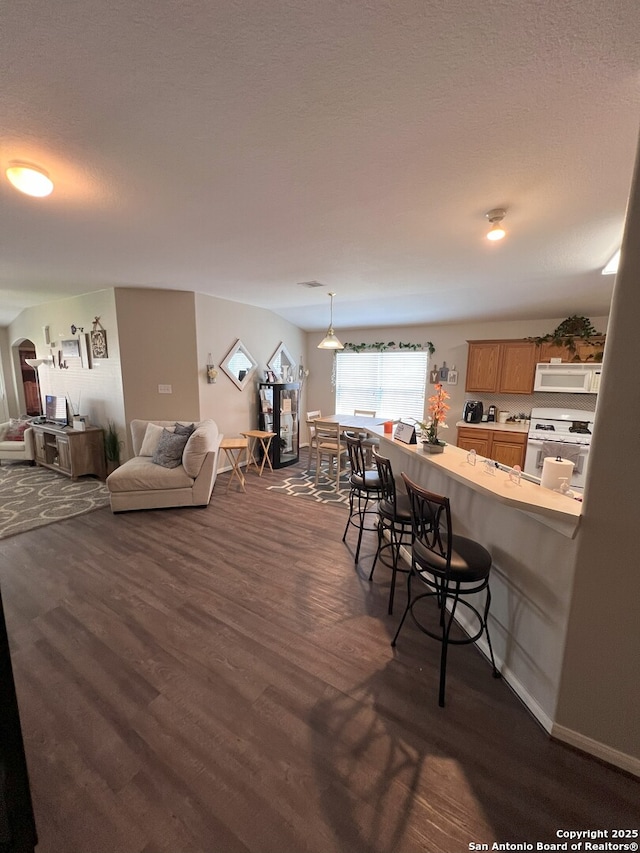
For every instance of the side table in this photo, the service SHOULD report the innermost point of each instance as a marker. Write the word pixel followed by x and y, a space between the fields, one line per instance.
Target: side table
pixel 234 448
pixel 264 438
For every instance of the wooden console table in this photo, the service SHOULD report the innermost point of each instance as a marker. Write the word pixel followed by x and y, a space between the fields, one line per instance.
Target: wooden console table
pixel 69 451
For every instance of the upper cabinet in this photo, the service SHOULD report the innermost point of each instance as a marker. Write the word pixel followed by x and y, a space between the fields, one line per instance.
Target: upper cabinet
pixel 502 367
pixel 585 350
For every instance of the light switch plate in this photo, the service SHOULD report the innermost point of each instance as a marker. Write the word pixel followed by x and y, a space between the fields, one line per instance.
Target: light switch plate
pixel 164 389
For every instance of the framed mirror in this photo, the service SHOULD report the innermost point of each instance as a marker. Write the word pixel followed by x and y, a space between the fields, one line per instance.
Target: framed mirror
pixel 283 365
pixel 239 364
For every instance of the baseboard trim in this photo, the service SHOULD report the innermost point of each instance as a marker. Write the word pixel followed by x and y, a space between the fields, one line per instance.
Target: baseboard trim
pixel 597 749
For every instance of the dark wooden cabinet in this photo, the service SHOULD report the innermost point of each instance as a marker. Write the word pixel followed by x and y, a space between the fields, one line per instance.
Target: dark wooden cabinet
pixel 74 453
pixel 280 413
pixel 504 446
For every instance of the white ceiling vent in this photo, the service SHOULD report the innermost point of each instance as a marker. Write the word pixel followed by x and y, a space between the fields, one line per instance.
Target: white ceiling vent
pixel 310 284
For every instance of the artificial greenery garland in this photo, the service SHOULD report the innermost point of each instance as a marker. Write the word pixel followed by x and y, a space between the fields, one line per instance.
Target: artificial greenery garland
pixel 567 332
pixel 379 346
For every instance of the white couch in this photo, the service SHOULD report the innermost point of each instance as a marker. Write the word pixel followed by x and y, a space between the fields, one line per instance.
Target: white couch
pixel 139 483
pixel 16 451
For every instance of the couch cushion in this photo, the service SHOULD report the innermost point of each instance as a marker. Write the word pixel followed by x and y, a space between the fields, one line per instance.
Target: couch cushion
pixel 140 474
pixel 169 450
pixel 151 439
pixel 199 444
pixel 3 430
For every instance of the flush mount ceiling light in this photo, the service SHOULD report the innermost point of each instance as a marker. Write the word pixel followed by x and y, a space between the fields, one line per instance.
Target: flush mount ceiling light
pixel 330 341
pixel 612 267
pixel 495 217
pixel 29 179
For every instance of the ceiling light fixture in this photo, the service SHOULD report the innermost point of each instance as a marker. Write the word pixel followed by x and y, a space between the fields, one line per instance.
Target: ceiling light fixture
pixel 330 341
pixel 612 267
pixel 495 217
pixel 29 179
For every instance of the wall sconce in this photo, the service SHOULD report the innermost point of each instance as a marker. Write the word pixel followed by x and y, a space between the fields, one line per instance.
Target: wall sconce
pixel 212 373
pixel 75 329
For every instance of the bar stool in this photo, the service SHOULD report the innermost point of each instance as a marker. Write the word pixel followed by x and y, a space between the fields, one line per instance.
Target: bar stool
pixel 365 487
pixel 369 443
pixel 451 567
pixel 394 518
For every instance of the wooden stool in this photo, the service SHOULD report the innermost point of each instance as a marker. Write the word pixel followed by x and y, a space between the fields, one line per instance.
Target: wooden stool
pixel 265 439
pixel 234 448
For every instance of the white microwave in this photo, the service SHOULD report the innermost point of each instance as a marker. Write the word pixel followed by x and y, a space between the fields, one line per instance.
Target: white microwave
pixel 568 378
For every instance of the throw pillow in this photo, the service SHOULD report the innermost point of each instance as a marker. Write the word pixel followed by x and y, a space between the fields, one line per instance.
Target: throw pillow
pixel 16 429
pixel 169 450
pixel 199 444
pixel 151 438
pixel 184 429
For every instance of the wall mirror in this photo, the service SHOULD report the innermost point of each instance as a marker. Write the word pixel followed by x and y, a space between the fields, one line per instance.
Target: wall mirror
pixel 283 364
pixel 239 364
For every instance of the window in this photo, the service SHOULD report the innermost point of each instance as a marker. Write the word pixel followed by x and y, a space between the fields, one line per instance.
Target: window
pixel 392 384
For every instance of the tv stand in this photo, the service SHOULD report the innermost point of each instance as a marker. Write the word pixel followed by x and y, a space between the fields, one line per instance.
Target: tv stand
pixel 74 453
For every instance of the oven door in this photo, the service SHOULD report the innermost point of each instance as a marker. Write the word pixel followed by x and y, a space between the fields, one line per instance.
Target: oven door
pixel 534 460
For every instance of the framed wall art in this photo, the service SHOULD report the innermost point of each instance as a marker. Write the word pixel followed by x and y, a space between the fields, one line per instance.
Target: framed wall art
pixel 70 348
pixel 99 344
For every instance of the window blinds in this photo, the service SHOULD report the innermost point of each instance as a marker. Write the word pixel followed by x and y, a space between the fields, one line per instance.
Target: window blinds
pixel 392 384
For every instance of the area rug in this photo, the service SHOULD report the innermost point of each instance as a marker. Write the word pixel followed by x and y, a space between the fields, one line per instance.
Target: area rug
pixel 32 497
pixel 303 485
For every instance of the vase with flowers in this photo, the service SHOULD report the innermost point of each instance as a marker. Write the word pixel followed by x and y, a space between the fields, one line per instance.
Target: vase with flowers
pixel 438 409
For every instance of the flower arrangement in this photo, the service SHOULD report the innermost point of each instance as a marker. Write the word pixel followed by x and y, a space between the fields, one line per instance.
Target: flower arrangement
pixel 438 409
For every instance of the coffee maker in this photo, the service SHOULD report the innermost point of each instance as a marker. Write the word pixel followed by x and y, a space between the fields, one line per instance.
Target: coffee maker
pixel 472 412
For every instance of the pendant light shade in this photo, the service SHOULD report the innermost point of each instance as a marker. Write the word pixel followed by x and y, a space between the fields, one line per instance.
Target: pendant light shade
pixel 29 179
pixel 330 341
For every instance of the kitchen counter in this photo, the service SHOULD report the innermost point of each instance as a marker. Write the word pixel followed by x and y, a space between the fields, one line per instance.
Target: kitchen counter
pixel 508 427
pixel 530 533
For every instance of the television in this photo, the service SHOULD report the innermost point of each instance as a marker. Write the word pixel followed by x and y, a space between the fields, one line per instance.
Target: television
pixel 56 410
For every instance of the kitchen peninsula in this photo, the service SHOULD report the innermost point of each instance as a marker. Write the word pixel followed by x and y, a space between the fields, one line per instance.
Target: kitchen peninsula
pixel 529 532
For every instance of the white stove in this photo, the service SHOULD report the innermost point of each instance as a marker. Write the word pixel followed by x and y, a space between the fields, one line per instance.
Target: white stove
pixel 562 432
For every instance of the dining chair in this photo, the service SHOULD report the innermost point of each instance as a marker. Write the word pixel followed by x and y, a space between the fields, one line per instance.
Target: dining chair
pixel 329 446
pixel 451 568
pixel 370 443
pixel 311 427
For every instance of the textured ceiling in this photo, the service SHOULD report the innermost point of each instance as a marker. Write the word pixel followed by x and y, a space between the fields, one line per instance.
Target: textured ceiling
pixel 238 147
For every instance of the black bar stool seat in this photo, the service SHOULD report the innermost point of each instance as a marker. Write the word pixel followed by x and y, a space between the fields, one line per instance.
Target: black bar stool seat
pixel 394 520
pixel 452 568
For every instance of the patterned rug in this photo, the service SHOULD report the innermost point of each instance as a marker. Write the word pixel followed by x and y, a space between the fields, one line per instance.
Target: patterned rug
pixel 31 497
pixel 302 485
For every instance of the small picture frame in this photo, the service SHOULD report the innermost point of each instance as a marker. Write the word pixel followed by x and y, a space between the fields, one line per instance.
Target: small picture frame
pixel 434 376
pixel 84 351
pixel 99 344
pixel 452 378
pixel 70 348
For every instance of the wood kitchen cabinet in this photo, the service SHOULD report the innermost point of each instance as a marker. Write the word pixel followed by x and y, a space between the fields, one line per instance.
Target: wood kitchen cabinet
pixel 506 447
pixel 584 351
pixel 503 367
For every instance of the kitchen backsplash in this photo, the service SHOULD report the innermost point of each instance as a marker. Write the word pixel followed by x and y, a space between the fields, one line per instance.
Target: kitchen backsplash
pixel 517 403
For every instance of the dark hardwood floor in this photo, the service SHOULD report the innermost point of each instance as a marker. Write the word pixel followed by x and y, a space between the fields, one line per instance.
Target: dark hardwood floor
pixel 221 680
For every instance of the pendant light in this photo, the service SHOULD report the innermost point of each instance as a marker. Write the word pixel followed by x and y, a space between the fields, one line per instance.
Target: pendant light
pixel 495 217
pixel 330 341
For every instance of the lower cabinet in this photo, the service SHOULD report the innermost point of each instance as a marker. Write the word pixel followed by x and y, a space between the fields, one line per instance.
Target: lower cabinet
pixel 508 448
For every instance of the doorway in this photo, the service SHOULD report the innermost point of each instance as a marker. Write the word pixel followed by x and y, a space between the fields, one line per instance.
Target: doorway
pixel 30 383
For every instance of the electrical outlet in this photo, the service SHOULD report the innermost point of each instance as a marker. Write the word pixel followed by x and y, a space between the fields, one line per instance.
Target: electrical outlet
pixel 164 389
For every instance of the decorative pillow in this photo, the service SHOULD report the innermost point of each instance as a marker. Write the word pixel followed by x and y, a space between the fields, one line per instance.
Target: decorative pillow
pixel 169 450
pixel 151 438
pixel 196 450
pixel 183 429
pixel 16 429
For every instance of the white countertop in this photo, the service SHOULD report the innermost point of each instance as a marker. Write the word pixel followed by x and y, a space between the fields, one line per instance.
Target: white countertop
pixel 512 427
pixel 552 508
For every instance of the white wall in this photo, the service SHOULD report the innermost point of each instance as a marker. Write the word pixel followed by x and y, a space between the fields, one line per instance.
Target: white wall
pixel 219 324
pixel 450 342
